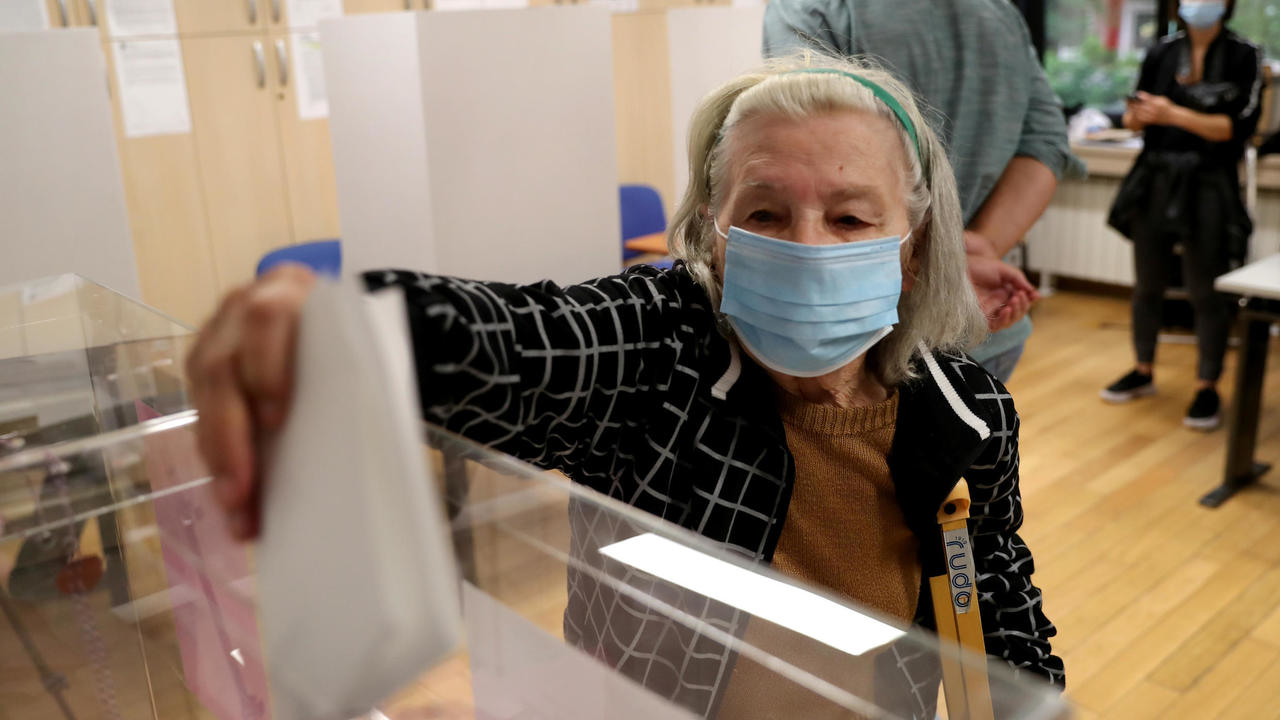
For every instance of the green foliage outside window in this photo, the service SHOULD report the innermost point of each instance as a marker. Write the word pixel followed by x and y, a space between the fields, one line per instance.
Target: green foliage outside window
pixel 1092 75
pixel 1085 73
pixel 1259 21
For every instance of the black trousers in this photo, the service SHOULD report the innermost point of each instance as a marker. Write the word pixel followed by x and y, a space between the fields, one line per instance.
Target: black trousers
pixel 1204 257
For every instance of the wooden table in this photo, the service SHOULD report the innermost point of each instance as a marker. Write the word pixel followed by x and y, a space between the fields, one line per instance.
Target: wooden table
pixel 1258 285
pixel 655 244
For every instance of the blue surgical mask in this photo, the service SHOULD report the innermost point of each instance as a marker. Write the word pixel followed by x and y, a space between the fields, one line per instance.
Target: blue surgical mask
pixel 1201 16
pixel 805 310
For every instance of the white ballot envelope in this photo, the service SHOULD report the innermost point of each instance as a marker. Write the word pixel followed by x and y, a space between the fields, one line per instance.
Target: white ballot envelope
pixel 358 588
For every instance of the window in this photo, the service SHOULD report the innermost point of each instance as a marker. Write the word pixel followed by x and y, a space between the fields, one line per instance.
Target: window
pixel 1259 21
pixel 1094 49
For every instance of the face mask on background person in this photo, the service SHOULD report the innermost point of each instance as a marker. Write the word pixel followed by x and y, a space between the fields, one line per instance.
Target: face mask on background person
pixel 805 310
pixel 1201 15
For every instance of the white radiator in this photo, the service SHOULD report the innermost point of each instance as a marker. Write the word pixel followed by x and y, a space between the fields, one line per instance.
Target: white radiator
pixel 1072 238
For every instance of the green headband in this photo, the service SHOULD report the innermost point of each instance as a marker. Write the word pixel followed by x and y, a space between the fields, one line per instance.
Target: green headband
pixel 876 90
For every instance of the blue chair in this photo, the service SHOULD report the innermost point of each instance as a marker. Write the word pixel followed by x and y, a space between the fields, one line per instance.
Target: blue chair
pixel 324 257
pixel 642 214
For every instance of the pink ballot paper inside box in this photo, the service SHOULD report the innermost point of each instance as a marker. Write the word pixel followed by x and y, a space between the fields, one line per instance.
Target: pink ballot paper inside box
pixel 210 587
pixel 358 586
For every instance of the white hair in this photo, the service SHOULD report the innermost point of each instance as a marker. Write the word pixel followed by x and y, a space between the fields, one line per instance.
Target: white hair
pixel 941 310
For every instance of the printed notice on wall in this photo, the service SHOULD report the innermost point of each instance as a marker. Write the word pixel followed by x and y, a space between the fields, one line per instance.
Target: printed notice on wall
pixel 309 13
pixel 313 98
pixel 618 6
pixel 153 89
pixel 479 4
pixel 141 17
pixel 23 15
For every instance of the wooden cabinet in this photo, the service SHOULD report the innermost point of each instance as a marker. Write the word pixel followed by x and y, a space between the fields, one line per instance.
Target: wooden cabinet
pixel 87 13
pixel 253 175
pixel 232 81
pixel 642 102
pixel 73 13
pixel 167 218
pixel 305 147
pixel 249 177
pixel 202 17
pixel 61 14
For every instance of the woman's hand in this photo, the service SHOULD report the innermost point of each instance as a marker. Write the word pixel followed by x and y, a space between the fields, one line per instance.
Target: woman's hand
pixel 1151 109
pixel 1130 119
pixel 241 376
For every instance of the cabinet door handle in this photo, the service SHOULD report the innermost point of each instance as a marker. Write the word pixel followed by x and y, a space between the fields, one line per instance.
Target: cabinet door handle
pixel 260 63
pixel 282 60
pixel 275 11
pixel 93 12
pixel 62 12
pixel 253 12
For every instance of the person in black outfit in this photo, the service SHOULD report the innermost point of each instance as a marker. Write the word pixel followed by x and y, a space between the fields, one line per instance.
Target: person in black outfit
pixel 1197 103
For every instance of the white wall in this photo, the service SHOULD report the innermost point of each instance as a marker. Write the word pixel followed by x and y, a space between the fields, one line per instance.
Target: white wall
pixel 62 206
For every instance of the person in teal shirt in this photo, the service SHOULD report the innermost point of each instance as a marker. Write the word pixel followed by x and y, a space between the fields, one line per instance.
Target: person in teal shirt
pixel 972 62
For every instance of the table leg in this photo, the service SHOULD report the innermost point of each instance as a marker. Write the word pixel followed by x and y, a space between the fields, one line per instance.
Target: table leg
pixel 1246 406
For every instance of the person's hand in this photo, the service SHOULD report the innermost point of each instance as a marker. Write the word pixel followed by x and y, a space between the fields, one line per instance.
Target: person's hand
pixel 241 376
pixel 1151 109
pixel 1130 118
pixel 1004 293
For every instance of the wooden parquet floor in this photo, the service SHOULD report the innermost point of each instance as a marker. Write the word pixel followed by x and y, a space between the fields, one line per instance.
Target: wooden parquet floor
pixel 1165 609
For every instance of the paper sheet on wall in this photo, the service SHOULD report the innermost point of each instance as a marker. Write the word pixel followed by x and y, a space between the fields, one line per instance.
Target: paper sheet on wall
pixel 141 17
pixel 153 88
pixel 309 13
pixel 618 6
pixel 313 98
pixel 23 15
pixel 479 4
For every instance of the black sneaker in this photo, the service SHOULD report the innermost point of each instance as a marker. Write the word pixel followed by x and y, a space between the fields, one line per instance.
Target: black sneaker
pixel 1205 412
pixel 1133 385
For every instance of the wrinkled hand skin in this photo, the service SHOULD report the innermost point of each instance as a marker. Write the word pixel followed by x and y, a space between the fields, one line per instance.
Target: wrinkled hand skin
pixel 241 376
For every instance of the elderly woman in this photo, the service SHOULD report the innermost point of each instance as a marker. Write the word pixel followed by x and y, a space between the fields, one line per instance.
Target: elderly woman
pixel 794 388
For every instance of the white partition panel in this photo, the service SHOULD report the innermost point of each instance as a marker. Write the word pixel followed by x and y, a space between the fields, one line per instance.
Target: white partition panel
pixel 62 205
pixel 478 144
pixel 707 47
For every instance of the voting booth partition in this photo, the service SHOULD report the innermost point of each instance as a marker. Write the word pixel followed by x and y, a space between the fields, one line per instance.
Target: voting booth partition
pixel 62 199
pixel 477 144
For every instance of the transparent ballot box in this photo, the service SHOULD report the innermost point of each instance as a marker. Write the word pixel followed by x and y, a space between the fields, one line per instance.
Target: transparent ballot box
pixel 574 606
pixel 76 358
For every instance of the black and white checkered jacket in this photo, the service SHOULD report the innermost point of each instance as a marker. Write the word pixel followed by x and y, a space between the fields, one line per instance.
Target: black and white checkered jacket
pixel 625 385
